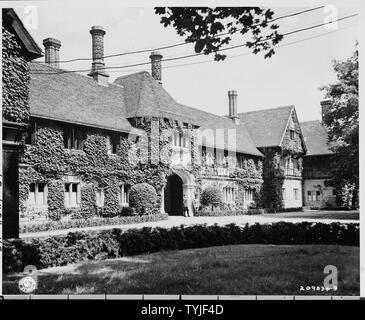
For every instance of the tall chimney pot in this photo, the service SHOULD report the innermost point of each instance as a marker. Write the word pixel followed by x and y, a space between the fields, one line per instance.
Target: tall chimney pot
pixel 325 105
pixel 156 69
pixel 98 66
pixel 52 51
pixel 232 100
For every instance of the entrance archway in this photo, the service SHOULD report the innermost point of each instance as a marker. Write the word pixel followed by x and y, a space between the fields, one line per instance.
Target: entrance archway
pixel 181 183
pixel 174 195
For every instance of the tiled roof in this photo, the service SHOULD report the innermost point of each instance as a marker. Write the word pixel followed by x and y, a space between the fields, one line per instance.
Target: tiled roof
pixel 315 137
pixel 266 127
pixel 144 96
pixel 74 98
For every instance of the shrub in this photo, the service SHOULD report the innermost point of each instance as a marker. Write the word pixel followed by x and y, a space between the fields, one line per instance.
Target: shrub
pixel 271 210
pixel 55 215
pixel 252 211
pixel 93 222
pixel 211 196
pixel 219 213
pixel 143 198
pixel 79 246
pixel 127 211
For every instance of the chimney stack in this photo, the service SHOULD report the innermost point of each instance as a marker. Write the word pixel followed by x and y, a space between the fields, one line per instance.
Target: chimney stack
pixel 156 69
pixel 232 99
pixel 52 49
pixel 325 105
pixel 97 70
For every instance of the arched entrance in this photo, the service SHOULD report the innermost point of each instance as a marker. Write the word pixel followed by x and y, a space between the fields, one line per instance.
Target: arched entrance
pixel 180 183
pixel 174 196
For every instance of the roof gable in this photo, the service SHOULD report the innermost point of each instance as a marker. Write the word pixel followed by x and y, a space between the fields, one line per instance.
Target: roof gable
pixel 145 97
pixel 267 127
pixel 316 138
pixel 13 24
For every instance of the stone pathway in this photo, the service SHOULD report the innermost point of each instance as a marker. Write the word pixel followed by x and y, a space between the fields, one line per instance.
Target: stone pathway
pixel 177 221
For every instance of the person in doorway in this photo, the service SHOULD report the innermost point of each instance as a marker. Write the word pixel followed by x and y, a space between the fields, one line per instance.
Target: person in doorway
pixel 186 208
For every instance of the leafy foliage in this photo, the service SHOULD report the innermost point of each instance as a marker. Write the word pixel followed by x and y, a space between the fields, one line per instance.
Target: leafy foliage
pixel 15 80
pixel 342 121
pixel 209 30
pixel 142 197
pixel 211 196
pixel 274 176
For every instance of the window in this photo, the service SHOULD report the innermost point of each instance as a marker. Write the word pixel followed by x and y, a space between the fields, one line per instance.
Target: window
pixel 113 142
pixel 37 194
pixel 289 166
pixel 309 195
pixel 292 134
pixel 283 195
pixel 228 194
pixel 318 194
pixel 124 194
pixel 73 138
pixel 72 194
pixel 296 194
pixel 178 139
pixel 219 156
pixel 248 195
pixel 333 192
pixel 100 197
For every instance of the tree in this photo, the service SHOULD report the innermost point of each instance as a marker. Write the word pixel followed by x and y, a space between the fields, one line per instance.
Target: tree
pixel 211 28
pixel 341 119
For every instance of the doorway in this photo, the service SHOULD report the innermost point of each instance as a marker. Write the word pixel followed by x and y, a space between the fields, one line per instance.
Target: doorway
pixel 174 195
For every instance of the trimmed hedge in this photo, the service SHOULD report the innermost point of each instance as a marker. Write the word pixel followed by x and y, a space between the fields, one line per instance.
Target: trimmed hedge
pixel 222 213
pixel 270 210
pixel 78 246
pixel 94 222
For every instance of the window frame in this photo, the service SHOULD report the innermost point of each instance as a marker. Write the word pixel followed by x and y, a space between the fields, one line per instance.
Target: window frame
pixel 68 203
pixel 36 192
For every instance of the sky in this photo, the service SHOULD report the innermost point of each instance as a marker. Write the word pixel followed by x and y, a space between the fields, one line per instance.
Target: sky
pixel 292 76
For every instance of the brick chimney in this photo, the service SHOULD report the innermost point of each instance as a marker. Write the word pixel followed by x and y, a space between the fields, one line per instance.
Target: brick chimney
pixel 325 105
pixel 232 100
pixel 97 70
pixel 156 69
pixel 52 51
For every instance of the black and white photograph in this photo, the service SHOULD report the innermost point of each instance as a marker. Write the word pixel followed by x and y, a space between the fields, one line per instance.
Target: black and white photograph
pixel 162 151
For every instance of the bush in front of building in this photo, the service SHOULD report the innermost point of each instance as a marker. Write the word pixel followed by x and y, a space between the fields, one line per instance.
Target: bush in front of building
pixel 222 213
pixel 281 210
pixel 211 197
pixel 79 246
pixel 93 222
pixel 142 198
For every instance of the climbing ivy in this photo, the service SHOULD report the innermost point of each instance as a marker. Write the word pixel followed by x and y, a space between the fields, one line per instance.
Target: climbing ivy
pixel 274 176
pixel 49 161
pixel 15 80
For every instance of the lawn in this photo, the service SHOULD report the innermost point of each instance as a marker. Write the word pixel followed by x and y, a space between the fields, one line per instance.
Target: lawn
pixel 318 214
pixel 236 269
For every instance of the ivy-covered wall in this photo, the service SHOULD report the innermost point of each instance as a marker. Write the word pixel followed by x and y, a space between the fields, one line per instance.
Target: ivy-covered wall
pixel 275 171
pixel 49 162
pixel 15 80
